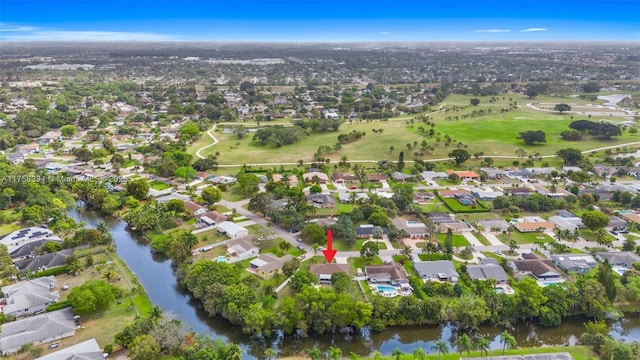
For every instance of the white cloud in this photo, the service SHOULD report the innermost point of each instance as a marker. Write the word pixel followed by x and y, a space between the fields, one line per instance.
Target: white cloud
pixel 61 35
pixel 382 33
pixel 534 29
pixel 15 28
pixel 17 32
pixel 493 30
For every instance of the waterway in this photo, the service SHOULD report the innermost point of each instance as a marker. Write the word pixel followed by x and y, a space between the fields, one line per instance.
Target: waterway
pixel 156 274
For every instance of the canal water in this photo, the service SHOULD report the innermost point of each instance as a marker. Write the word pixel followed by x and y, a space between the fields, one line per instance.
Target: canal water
pixel 156 274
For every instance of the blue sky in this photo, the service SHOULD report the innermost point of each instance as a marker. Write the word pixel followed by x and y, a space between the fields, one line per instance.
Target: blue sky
pixel 314 20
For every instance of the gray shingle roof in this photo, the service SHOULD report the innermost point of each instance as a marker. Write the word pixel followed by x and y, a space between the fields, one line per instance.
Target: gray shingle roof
pixel 36 328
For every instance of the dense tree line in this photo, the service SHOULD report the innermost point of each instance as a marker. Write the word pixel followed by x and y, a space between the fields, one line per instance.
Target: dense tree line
pixel 278 135
pixel 599 129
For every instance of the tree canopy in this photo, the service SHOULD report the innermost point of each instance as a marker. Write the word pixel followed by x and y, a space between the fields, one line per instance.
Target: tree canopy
pixel 532 136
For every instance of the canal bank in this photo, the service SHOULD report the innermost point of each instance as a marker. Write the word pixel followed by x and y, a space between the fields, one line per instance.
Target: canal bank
pixel 156 274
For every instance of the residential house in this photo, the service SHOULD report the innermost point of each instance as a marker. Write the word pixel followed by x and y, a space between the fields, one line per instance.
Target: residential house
pixel 232 230
pixel 40 329
pixel 279 203
pixel 531 265
pixel 314 176
pixel 195 208
pixel 266 265
pixel 550 192
pixel 519 191
pixel 325 271
pixel 342 178
pixel 533 224
pixel 321 200
pixel 242 248
pixel 48 138
pixel 19 238
pixel 520 174
pixel 440 270
pixel 566 220
pixel 29 297
pixel 422 197
pixel 494 225
pixel 492 173
pixel 452 193
pixel 377 177
pixel 173 196
pixel 53 167
pixel 489 269
pixel 624 259
pixel 433 175
pixel 400 177
pixel 415 229
pixel 391 273
pixel 44 261
pixel 211 218
pixel 366 231
pixel 578 263
pixel 464 175
pixel 616 223
pixel 291 179
pixel 352 197
pixel 86 350
pixel 28 148
pixel 603 170
pixel 225 180
pixel 486 194
pixel 28 250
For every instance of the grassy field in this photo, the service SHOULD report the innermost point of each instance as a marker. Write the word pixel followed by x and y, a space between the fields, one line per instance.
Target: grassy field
pixel 455 206
pixel 525 238
pixel 493 134
pixel 458 240
pixel 157 185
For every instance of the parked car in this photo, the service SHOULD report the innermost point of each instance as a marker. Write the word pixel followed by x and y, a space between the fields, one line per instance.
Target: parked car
pixel 54 345
pixel 302 257
pixel 498 252
pixel 321 248
pixel 299 247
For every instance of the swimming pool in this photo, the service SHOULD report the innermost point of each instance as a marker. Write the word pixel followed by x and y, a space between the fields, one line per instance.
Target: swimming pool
pixel 385 288
pixel 221 259
pixel 499 290
pixel 551 283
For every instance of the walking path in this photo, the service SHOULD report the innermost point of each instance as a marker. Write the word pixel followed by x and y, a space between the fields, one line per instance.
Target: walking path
pixel 215 141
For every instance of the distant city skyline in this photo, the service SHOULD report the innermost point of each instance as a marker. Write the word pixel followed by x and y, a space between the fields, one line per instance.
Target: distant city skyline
pixel 319 21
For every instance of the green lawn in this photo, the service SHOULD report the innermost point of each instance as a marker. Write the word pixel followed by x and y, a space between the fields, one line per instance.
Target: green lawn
pixel 589 236
pixel 359 263
pixel 273 246
pixel 482 239
pixel 157 185
pixel 525 238
pixel 8 228
pixel 458 240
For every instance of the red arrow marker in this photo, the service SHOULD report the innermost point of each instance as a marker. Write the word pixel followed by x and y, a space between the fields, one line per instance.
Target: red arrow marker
pixel 329 253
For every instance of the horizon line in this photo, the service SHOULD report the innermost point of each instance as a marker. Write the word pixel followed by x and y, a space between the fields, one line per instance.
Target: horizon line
pixel 323 41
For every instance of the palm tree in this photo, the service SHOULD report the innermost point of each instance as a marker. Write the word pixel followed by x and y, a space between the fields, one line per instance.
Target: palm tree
pixel 315 247
pixel 406 251
pixel 354 356
pixel 418 354
pixel 334 353
pixel 314 353
pixel 270 353
pixel 463 343
pixel 376 355
pixel 397 353
pixel 441 347
pixel 507 340
pixel 483 345
pixel 9 193
pixel 155 314
pixel 102 227
pixel 233 352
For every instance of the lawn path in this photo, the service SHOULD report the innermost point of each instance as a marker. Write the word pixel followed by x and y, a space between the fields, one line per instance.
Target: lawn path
pixel 215 141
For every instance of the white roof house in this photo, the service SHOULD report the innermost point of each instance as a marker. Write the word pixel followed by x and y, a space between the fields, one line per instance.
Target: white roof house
pixel 28 297
pixel 231 230
pixel 86 350
pixel 39 329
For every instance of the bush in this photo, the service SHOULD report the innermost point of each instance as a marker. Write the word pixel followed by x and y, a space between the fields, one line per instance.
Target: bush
pixel 58 306
pixel 49 272
pixel 108 349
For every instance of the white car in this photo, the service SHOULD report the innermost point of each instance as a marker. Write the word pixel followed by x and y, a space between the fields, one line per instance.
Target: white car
pixel 498 252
